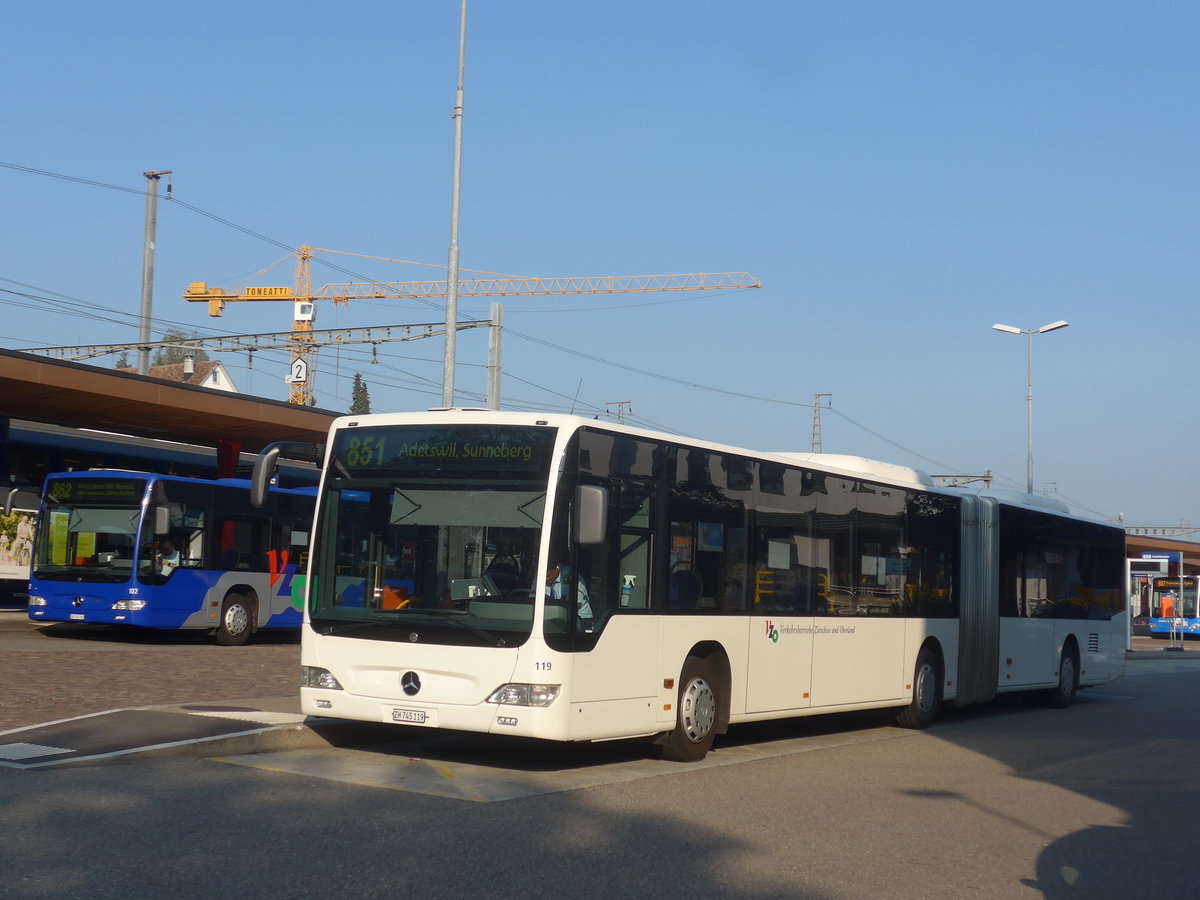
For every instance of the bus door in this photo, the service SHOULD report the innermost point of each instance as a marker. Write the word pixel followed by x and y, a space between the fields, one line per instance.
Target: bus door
pixel 779 656
pixel 788 591
pixel 1032 582
pixel 1027 641
pixel 611 590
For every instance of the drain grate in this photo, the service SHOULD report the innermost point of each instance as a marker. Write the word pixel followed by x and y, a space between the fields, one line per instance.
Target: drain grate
pixel 29 751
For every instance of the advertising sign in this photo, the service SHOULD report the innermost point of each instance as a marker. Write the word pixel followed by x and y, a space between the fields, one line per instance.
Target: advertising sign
pixel 16 543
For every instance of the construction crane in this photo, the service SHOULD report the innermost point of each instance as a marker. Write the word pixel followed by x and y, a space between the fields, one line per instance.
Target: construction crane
pixel 303 299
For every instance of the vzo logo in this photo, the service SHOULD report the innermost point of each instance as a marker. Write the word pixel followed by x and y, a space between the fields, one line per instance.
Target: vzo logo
pixel 772 631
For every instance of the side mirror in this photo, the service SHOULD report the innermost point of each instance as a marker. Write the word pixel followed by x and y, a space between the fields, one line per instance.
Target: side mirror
pixel 264 466
pixel 591 514
pixel 162 520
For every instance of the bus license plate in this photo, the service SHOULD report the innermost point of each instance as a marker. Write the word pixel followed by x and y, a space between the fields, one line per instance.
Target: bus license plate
pixel 78 617
pixel 404 716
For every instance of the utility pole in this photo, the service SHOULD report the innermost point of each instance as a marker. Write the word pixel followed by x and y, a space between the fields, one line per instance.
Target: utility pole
pixel 816 428
pixel 620 405
pixel 148 265
pixel 495 337
pixel 452 262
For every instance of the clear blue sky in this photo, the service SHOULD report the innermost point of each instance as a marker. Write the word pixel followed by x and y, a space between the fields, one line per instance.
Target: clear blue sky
pixel 898 176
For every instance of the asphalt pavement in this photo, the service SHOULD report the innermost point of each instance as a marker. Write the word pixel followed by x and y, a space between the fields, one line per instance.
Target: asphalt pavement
pixel 73 693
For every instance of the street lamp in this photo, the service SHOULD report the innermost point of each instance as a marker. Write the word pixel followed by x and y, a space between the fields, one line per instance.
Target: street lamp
pixel 1053 326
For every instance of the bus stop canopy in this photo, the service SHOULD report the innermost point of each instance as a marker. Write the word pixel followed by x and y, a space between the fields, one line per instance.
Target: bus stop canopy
pixel 82 396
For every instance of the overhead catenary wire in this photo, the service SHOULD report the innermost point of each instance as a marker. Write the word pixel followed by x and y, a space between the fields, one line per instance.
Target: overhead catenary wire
pixel 423 385
pixel 80 308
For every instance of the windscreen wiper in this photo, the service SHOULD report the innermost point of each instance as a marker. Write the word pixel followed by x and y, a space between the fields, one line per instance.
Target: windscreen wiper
pixel 336 626
pixel 494 640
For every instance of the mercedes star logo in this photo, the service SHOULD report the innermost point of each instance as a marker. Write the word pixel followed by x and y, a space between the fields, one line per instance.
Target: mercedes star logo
pixel 411 683
pixel 77 602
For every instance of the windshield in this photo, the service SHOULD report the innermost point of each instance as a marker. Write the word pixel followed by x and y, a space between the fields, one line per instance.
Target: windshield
pixel 431 534
pixel 87 529
pixel 1166 601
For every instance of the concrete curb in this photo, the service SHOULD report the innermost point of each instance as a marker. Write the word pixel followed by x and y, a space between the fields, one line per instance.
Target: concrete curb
pixel 312 734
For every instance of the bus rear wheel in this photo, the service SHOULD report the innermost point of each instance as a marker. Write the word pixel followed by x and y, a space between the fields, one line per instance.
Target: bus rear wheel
pixel 697 713
pixel 234 627
pixel 927 697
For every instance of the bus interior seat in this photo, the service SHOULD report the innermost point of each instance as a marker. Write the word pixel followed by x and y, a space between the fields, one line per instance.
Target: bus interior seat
pixel 684 590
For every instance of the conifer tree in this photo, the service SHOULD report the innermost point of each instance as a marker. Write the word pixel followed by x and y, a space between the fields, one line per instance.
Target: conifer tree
pixel 360 397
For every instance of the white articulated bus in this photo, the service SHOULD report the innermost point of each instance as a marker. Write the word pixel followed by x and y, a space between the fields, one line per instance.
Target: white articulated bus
pixel 557 577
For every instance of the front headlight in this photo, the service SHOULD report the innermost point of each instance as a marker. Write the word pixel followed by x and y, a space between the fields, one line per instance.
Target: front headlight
pixel 316 677
pixel 525 694
pixel 130 605
pixel 35 600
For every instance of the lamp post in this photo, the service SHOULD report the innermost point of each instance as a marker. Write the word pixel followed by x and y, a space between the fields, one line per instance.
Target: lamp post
pixel 451 345
pixel 1030 332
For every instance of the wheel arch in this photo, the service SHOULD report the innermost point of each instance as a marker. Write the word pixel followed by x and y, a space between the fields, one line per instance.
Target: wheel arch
pixel 1063 695
pixel 925 699
pixel 715 654
pixel 250 595
pixel 934 646
pixel 1070 642
pixel 1070 645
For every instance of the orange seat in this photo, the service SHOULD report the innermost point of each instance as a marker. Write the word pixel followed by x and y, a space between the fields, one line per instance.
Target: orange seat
pixel 394 598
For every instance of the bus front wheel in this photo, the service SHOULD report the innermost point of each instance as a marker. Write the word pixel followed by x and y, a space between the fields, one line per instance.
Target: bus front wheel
pixel 236 616
pixel 697 713
pixel 1068 680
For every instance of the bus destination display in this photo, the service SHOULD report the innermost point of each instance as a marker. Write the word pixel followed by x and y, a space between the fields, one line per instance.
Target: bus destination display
pixel 463 448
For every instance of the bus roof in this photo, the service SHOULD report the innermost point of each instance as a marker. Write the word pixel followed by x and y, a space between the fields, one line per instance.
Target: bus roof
pixel 853 466
pixel 836 464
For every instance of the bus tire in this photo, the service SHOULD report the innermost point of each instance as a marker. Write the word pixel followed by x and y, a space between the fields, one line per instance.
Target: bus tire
pixel 237 617
pixel 697 713
pixel 1068 680
pixel 927 694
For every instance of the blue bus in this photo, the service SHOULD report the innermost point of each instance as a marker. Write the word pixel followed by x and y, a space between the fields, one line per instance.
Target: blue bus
pixel 1173 607
pixel 117 547
pixel 29 451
